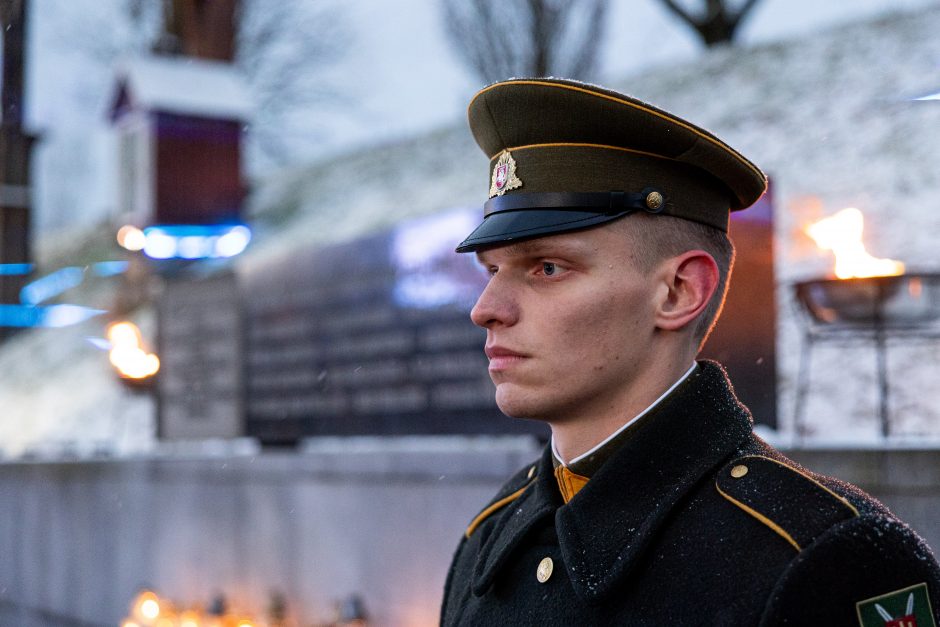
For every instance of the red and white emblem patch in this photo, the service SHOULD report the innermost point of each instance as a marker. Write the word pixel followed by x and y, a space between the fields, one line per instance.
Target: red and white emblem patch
pixel 907 607
pixel 504 175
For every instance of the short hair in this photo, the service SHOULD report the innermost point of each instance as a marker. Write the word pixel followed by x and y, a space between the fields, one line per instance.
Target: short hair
pixel 657 238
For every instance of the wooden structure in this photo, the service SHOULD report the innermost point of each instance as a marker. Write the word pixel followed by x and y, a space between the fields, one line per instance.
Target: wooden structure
pixel 202 28
pixel 180 124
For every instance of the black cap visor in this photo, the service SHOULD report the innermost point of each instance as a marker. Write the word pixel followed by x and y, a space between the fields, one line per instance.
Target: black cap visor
pixel 513 226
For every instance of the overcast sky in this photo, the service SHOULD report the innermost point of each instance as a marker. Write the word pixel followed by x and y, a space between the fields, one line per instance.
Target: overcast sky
pixel 398 76
pixel 399 69
pixel 406 77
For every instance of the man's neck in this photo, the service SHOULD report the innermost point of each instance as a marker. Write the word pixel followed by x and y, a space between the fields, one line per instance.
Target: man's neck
pixel 572 439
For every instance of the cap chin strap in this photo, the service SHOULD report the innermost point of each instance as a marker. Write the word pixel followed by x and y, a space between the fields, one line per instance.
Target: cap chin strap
pixel 650 200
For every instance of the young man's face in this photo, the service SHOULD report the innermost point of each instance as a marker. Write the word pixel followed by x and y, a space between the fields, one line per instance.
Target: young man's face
pixel 570 323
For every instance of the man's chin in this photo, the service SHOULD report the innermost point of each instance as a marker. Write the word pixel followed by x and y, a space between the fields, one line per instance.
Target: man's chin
pixel 515 404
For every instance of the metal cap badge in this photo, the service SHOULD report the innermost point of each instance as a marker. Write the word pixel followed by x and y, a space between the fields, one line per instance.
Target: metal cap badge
pixel 504 175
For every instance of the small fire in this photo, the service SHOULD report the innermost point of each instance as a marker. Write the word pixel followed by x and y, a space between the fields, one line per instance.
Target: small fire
pixel 842 234
pixel 150 610
pixel 127 352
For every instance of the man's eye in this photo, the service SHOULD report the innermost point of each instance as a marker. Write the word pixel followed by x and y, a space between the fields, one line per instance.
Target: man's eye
pixel 549 268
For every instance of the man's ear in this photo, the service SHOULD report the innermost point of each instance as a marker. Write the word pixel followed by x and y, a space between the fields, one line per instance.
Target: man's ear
pixel 689 279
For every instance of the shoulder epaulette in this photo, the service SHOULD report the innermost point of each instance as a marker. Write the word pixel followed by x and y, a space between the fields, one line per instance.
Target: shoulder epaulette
pixel 790 502
pixel 510 491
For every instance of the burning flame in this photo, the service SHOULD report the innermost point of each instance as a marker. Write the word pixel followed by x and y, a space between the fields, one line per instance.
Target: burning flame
pixel 127 352
pixel 150 610
pixel 842 234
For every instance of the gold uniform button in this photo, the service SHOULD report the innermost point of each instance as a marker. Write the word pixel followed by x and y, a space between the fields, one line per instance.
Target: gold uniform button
pixel 654 200
pixel 739 471
pixel 544 571
pixel 531 472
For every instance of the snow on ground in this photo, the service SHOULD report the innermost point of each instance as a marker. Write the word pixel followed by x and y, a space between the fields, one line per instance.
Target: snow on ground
pixel 59 396
pixel 828 116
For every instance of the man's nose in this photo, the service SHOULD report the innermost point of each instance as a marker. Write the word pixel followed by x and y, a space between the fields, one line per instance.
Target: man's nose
pixel 495 306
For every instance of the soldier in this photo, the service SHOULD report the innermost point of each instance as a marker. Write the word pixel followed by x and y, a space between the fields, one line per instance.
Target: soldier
pixel 605 238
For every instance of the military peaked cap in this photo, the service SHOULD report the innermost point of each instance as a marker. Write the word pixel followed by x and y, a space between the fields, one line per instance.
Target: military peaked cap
pixel 566 155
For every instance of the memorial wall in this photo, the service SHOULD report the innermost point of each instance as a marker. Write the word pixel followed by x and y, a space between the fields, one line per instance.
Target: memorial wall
pixel 373 337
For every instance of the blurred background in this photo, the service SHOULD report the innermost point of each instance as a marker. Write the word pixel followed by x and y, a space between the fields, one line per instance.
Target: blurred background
pixel 238 383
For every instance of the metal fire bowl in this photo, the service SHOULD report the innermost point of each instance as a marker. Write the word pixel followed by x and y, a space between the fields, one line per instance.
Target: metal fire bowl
pixel 908 300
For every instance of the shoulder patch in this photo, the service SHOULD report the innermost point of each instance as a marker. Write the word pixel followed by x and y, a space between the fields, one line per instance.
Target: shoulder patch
pixel 790 502
pixel 509 493
pixel 907 607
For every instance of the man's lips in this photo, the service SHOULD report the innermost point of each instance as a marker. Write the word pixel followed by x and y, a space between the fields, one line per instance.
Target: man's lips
pixel 501 357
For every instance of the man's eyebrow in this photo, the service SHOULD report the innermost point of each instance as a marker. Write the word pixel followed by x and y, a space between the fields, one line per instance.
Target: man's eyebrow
pixel 536 247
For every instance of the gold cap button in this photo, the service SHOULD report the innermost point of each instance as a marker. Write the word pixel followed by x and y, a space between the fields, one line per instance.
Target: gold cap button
pixel 546 566
pixel 531 472
pixel 739 471
pixel 654 200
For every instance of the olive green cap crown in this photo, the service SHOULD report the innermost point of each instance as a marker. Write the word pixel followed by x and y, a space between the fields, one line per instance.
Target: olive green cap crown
pixel 566 155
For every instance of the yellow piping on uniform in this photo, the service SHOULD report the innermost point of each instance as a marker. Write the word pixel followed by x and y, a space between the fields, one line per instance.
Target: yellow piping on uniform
pixel 633 105
pixel 582 145
pixel 777 528
pixel 495 506
pixel 841 499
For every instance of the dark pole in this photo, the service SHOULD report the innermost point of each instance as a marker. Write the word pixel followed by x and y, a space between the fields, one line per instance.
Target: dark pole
pixel 881 357
pixel 14 18
pixel 14 154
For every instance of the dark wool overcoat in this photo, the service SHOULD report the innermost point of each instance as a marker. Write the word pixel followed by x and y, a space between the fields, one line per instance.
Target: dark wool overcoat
pixel 693 521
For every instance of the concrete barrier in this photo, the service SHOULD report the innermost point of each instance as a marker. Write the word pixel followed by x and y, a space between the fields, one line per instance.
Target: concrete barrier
pixel 375 518
pixel 907 480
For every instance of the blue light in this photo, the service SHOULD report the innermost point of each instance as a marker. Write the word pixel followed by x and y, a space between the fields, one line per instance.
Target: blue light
pixel 195 241
pixel 31 314
pixel 49 316
pixel 99 343
pixel 67 315
pixel 192 247
pixel 160 245
pixel 109 268
pixel 51 285
pixel 188 230
pixel 428 274
pixel 233 242
pixel 19 316
pixel 15 269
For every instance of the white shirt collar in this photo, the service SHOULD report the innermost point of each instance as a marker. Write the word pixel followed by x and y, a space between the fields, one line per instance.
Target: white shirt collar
pixel 627 424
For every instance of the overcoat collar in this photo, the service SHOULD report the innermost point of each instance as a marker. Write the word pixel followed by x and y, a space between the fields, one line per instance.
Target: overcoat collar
pixel 604 529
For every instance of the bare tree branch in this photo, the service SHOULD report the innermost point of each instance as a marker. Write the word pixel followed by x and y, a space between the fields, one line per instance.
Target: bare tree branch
pixel 681 13
pixel 718 23
pixel 502 39
pixel 284 49
pixel 585 58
